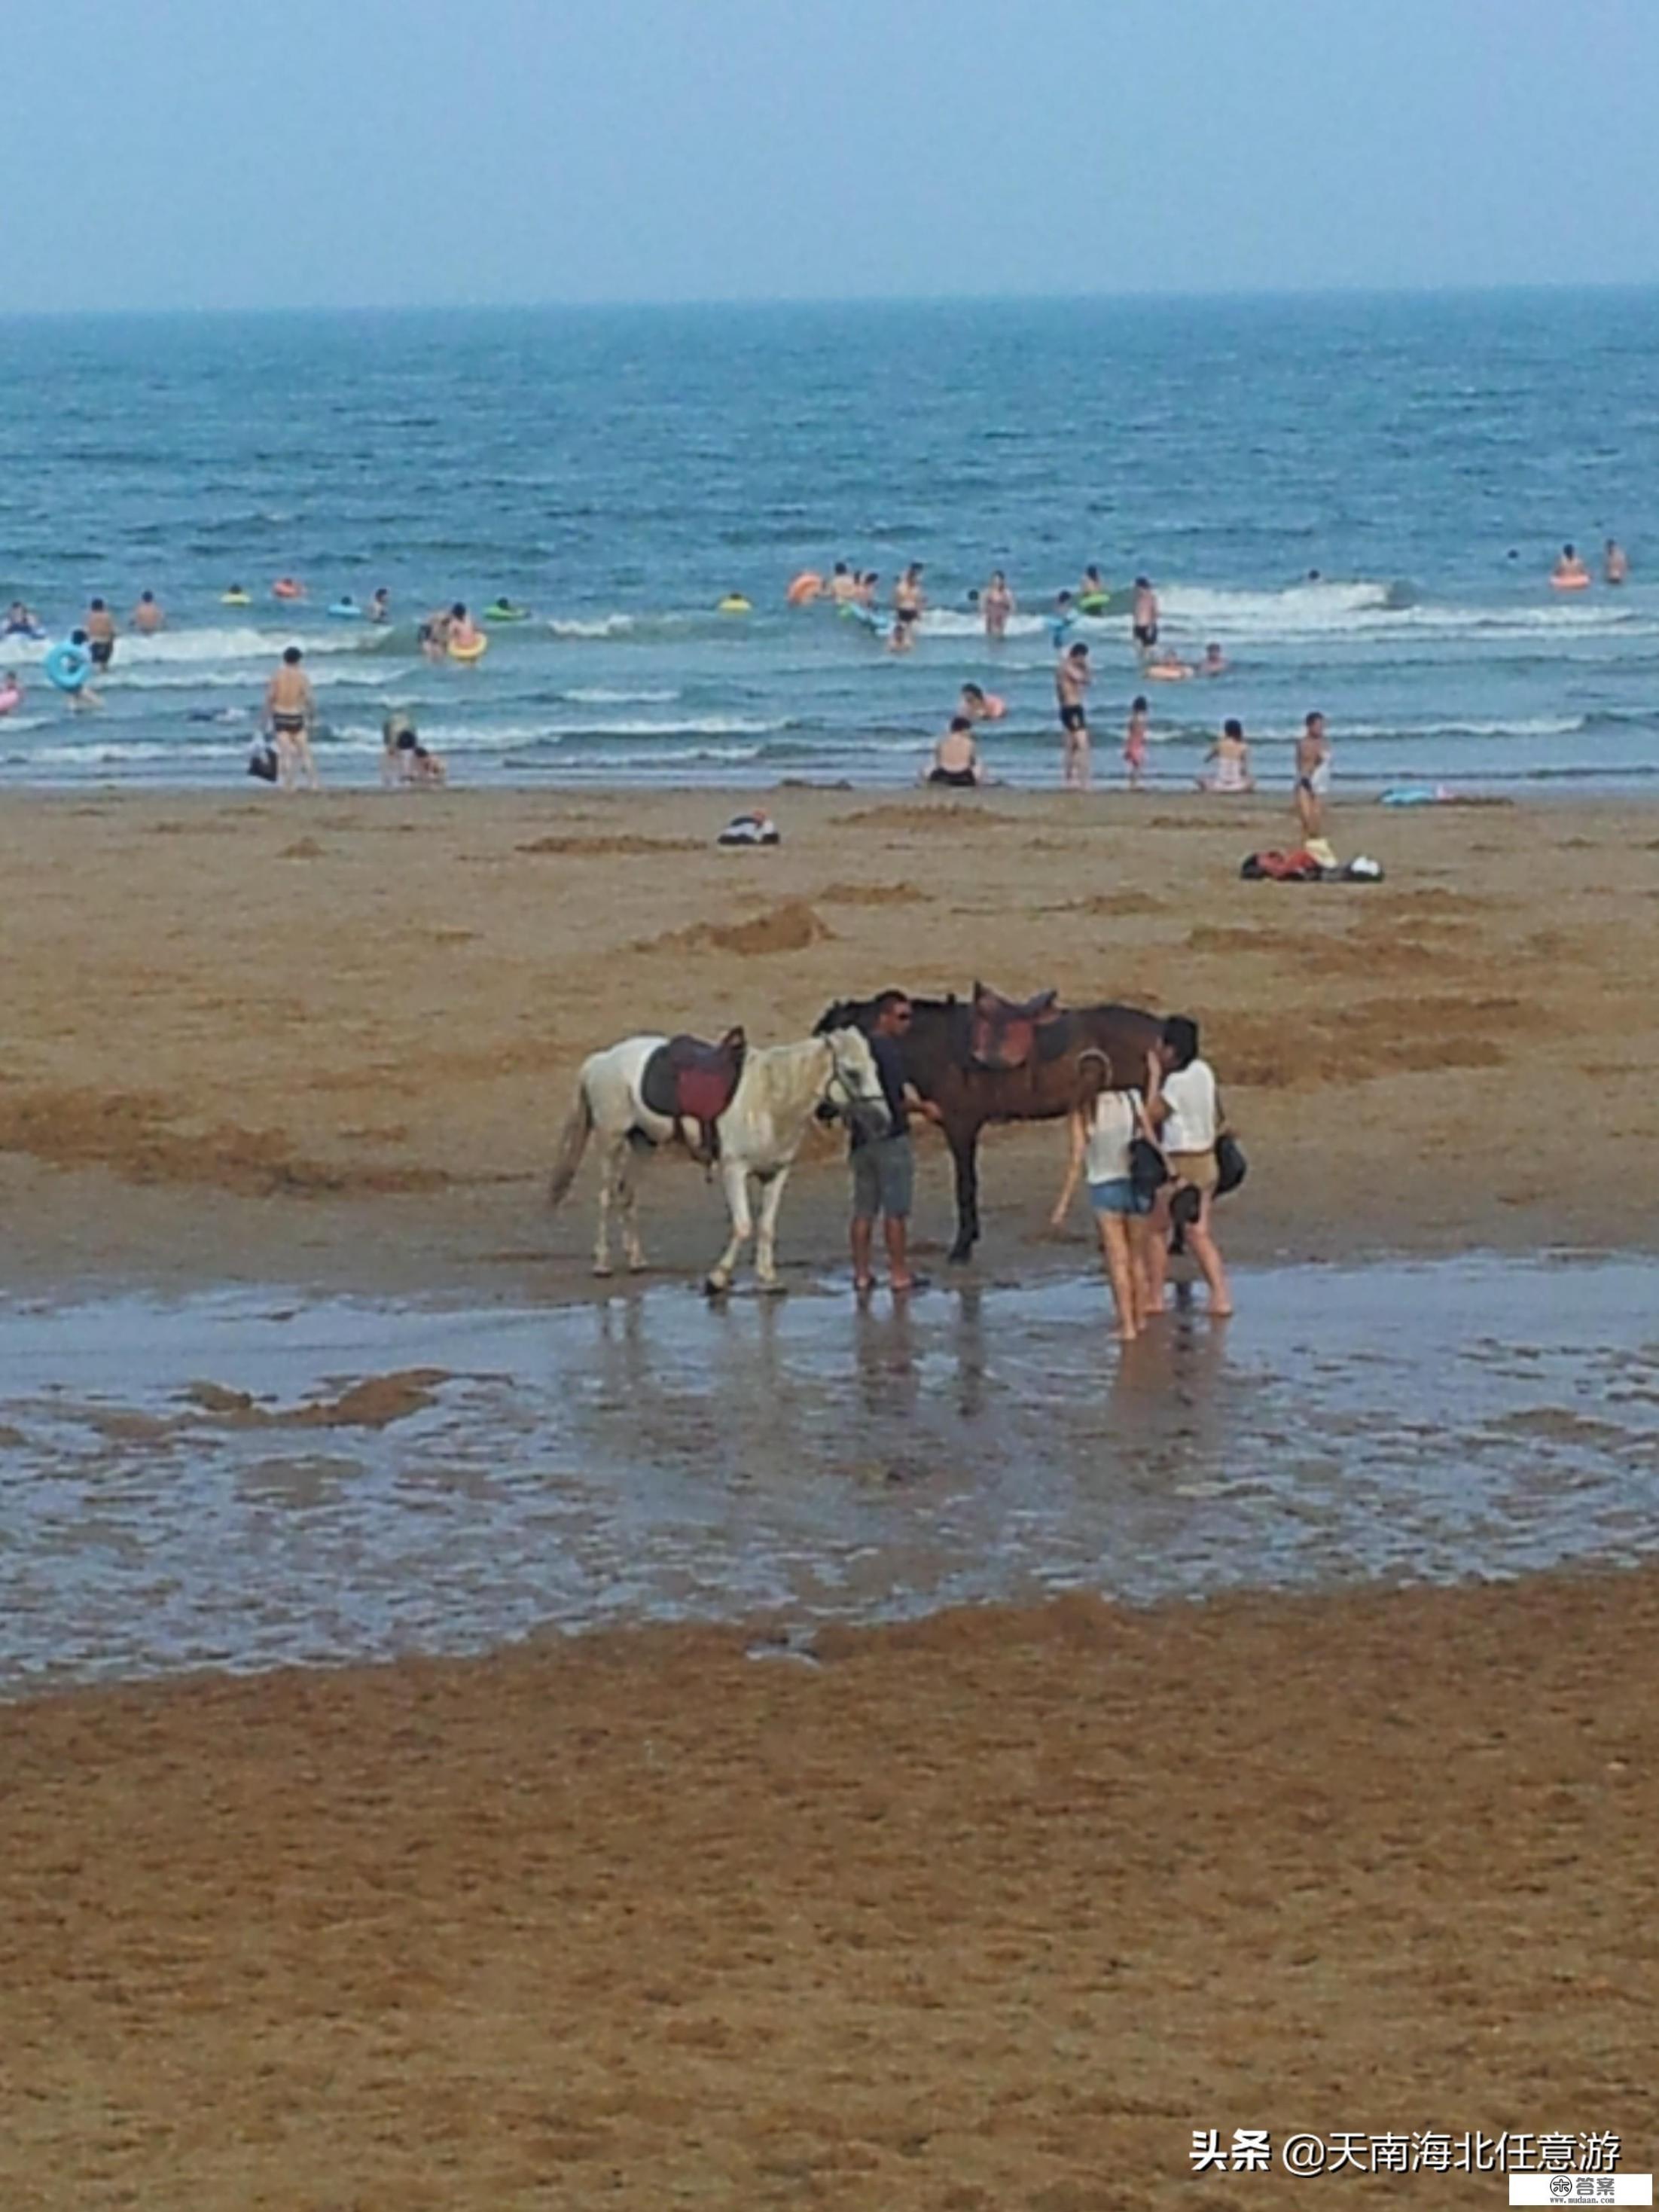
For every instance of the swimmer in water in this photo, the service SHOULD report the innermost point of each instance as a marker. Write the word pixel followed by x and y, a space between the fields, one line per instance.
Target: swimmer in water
pixel 956 757
pixel 146 616
pixel 21 621
pixel 843 584
pixel 463 634
pixel 101 635
pixel 1214 662
pixel 1093 586
pixel 86 696
pixel 1615 562
pixel 864 591
pixel 433 636
pixel 996 604
pixel 1143 617
pixel 975 705
pixel 1134 743
pixel 379 607
pixel 910 600
pixel 1569 571
pixel 1065 614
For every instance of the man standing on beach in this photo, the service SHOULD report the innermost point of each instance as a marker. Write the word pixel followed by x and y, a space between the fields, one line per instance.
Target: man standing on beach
pixel 1312 776
pixel 1072 676
pixel 290 710
pixel 883 1168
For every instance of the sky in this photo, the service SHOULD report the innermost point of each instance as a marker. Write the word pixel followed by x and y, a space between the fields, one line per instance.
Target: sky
pixel 333 153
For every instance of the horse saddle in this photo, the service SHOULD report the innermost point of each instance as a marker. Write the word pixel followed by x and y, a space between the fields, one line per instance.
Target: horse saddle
pixel 687 1080
pixel 1009 1033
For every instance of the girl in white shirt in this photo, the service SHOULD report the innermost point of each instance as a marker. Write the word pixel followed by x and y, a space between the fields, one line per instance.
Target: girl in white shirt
pixel 1102 1125
pixel 1189 1119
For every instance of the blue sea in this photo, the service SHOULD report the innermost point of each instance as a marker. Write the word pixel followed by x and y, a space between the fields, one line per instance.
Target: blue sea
pixel 620 470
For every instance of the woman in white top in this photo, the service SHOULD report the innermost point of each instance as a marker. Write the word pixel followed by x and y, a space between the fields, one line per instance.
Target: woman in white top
pixel 1102 1125
pixel 1189 1119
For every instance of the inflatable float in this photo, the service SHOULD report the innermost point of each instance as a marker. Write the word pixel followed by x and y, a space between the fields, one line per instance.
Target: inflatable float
pixel 806 586
pixel 285 588
pixel 236 597
pixel 67 667
pixel 735 604
pixel 476 651
pixel 344 609
pixel 503 610
pixel 1570 583
pixel 1093 603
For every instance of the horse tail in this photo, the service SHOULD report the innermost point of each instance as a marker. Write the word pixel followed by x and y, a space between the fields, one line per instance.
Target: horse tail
pixel 573 1143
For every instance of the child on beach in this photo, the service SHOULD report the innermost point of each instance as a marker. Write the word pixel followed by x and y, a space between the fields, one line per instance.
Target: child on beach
pixel 1134 743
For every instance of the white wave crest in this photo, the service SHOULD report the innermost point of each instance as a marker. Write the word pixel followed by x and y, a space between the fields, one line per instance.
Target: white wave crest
pixel 190 647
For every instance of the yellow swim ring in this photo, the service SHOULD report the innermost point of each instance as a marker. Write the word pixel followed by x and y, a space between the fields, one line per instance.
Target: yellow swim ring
pixel 476 651
pixel 236 599
pixel 735 604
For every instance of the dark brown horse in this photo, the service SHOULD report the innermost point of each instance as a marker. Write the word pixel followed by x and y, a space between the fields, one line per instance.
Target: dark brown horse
pixel 939 1061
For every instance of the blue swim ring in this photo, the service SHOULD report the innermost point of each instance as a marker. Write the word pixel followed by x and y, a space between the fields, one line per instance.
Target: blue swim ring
pixel 346 611
pixel 67 666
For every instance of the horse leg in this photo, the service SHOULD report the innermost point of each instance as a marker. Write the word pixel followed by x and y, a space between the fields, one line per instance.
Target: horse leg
pixel 611 1173
pixel 766 1234
pixel 735 1177
pixel 628 1191
pixel 964 1152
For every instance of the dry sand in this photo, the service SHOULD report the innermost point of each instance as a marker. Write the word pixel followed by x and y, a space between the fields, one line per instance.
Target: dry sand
pixel 990 1913
pixel 334 1040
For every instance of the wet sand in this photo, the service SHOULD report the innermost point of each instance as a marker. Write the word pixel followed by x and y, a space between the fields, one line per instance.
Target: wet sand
pixel 993 1911
pixel 332 1041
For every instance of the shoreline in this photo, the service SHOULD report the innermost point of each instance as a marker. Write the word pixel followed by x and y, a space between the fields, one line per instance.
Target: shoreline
pixel 996 1907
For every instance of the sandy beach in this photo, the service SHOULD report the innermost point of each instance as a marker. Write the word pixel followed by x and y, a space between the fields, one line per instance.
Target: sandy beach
pixel 333 1040
pixel 993 1910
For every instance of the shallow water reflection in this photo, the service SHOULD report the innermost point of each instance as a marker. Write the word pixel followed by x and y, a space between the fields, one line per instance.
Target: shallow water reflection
pixel 201 1483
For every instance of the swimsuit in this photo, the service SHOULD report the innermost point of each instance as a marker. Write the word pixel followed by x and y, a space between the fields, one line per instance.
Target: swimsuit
pixel 287 724
pixel 1073 720
pixel 962 779
pixel 1147 634
pixel 101 649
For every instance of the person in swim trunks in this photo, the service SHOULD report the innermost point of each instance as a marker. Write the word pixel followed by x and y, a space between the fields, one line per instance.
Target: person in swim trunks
pixel 956 757
pixel 1312 776
pixel 290 711
pixel 996 604
pixel 1143 617
pixel 1615 562
pixel 908 598
pixel 1072 676
pixel 99 627
pixel 147 615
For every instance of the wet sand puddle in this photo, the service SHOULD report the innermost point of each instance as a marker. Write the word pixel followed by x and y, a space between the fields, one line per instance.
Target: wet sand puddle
pixel 232 1481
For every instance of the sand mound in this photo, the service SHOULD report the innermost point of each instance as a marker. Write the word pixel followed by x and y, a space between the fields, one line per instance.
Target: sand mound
pixel 790 927
pixel 936 815
pixel 872 894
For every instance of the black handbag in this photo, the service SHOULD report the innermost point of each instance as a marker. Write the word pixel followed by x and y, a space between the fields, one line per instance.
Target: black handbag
pixel 1230 1165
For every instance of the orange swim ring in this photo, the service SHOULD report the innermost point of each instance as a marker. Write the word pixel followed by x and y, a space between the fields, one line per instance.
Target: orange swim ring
pixel 807 585
pixel 1570 583
pixel 995 708
pixel 286 588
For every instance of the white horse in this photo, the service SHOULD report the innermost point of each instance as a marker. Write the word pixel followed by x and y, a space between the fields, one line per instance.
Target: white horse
pixel 781 1088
